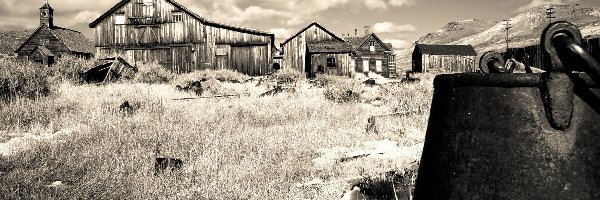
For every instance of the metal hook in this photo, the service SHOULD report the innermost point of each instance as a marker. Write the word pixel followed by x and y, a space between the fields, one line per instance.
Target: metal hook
pixel 493 62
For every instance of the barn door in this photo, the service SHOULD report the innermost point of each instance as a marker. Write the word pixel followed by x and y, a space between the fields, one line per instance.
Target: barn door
pixel 222 56
pixel 241 60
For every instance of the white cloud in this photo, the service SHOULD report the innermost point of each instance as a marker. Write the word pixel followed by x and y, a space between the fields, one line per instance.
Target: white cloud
pixel 398 44
pixel 536 3
pixel 84 17
pixel 399 3
pixel 376 4
pixel 281 33
pixel 390 27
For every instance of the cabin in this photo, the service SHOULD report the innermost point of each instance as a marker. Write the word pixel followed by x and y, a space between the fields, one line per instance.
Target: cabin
pixel 329 57
pixel 49 42
pixel 167 33
pixel 371 55
pixel 444 58
pixel 313 48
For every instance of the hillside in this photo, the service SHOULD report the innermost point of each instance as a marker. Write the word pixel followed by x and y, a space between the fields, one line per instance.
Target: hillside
pixel 10 40
pixel 457 30
pixel 526 30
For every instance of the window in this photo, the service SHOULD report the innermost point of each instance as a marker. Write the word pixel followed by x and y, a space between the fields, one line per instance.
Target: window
pixel 119 19
pixel 352 65
pixel 378 66
pixel 177 17
pixel 331 62
pixel 365 65
pixel 148 2
pixel 372 46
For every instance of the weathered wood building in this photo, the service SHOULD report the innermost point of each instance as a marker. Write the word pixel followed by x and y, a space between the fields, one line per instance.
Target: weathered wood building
pixel 315 46
pixel 534 56
pixel 164 31
pixel 370 54
pixel 329 57
pixel 49 42
pixel 444 58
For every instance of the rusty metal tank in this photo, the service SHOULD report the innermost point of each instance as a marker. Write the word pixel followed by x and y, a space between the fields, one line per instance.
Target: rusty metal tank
pixel 517 136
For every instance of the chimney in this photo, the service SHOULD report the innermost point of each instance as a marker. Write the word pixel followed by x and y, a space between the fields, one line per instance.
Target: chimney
pixel 355 32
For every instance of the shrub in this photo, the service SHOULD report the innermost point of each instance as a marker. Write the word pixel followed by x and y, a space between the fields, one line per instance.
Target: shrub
pixel 23 79
pixel 288 76
pixel 223 75
pixel 212 87
pixel 324 80
pixel 70 68
pixel 153 73
pixel 344 90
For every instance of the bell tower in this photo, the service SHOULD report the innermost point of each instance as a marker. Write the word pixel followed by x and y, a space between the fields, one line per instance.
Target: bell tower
pixel 47 15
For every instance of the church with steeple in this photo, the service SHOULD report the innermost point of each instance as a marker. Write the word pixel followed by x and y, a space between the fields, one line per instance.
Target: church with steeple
pixel 50 42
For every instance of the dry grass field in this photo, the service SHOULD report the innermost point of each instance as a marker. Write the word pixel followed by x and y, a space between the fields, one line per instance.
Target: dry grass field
pixel 241 147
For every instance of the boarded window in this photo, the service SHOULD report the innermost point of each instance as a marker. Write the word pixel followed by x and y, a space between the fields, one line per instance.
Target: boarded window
pixel 177 17
pixel 365 65
pixel 331 62
pixel 119 19
pixel 378 66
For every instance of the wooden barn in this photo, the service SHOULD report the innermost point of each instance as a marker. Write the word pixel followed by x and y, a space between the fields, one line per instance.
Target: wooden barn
pixel 49 42
pixel 370 54
pixel 315 46
pixel 165 32
pixel 444 58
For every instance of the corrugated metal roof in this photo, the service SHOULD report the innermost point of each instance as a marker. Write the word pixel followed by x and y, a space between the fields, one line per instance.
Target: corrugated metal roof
pixel 463 50
pixel 329 47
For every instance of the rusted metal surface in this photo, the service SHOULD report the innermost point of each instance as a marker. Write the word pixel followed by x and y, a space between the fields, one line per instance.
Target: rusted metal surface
pixel 516 136
pixel 492 62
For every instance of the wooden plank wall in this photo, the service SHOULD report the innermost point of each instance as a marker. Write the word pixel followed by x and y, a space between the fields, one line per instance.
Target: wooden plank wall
pixel 294 51
pixel 343 61
pixel 448 63
pixel 192 44
pixel 55 45
pixel 373 64
pixel 534 56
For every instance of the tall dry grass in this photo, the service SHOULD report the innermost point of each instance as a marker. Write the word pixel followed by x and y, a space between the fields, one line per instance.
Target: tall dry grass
pixel 242 148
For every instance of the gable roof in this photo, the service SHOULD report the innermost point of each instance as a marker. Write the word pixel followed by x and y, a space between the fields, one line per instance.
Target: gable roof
pixel 329 47
pixel 307 27
pixel 74 40
pixel 463 50
pixel 184 9
pixel 372 35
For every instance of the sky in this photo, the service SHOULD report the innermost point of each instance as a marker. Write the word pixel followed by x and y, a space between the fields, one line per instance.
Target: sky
pixel 401 22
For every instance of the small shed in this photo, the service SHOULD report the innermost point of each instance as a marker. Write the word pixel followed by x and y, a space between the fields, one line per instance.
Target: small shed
pixel 329 57
pixel 110 69
pixel 42 55
pixel 444 58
